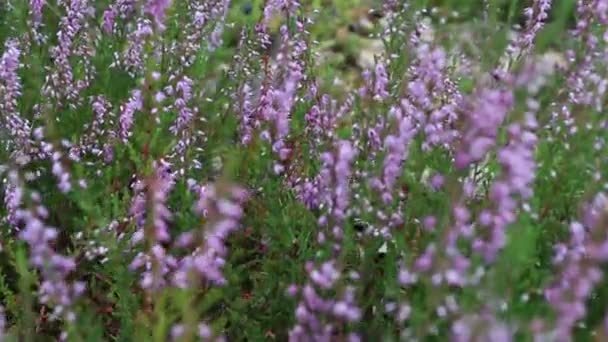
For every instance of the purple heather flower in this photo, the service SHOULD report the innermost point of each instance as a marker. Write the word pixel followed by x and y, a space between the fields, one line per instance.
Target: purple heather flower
pixel 158 190
pixel 127 115
pixel 292 290
pixel 122 9
pixel 55 290
pixel 12 201
pixel 335 193
pixel 185 114
pixel 109 18
pixel 480 327
pixel 278 94
pixel 275 6
pixel 406 277
pixel 91 141
pixel 425 261
pixel 2 324
pixel 429 222
pixel 314 313
pixel 36 11
pixel 177 331
pixel 222 215
pixel 60 173
pixel 483 117
pixel 380 82
pixel 157 266
pixel 215 39
pixel 247 114
pixel 396 146
pixel 151 216
pixel 536 15
pixel 579 266
pixel 74 40
pixel 518 168
pixel 18 127
pixel 204 331
pixel 428 81
pixel 437 182
pixel 157 9
pixel 132 57
pixel 322 118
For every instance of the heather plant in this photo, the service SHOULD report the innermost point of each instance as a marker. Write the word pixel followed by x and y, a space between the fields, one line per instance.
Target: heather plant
pixel 212 170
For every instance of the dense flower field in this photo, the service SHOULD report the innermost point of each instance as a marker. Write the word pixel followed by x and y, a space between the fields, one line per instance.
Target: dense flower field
pixel 201 170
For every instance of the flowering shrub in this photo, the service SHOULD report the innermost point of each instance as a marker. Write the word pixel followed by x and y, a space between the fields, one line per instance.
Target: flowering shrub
pixel 197 170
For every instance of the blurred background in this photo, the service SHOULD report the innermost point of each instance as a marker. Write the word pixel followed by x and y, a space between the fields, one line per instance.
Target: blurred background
pixel 348 32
